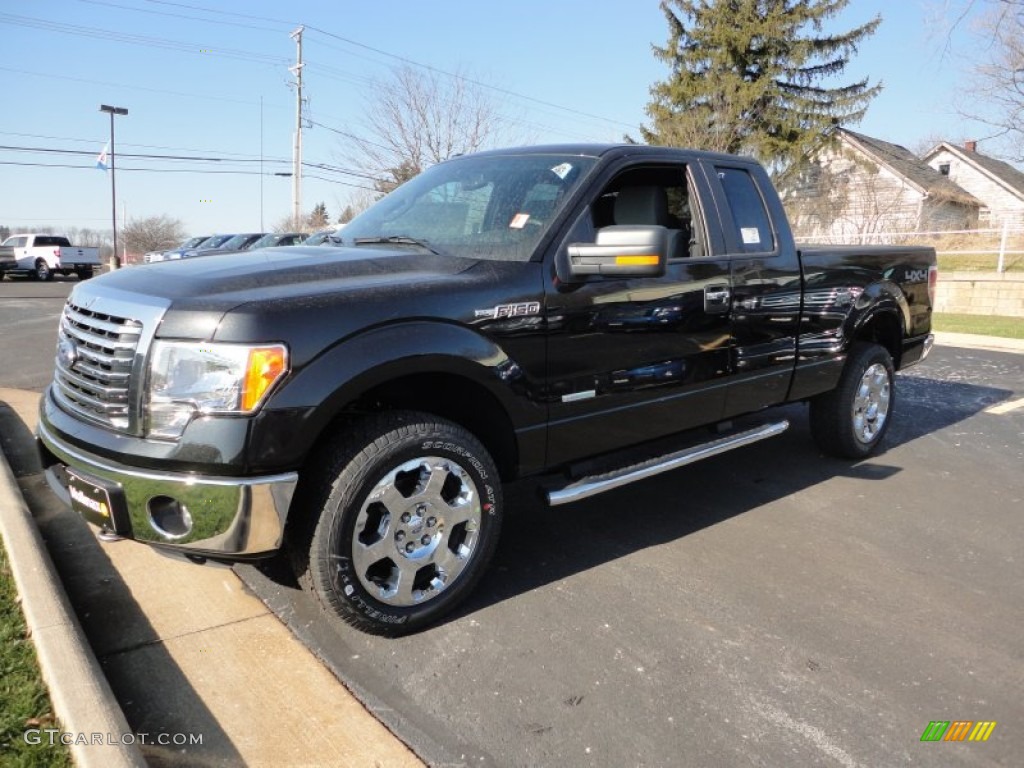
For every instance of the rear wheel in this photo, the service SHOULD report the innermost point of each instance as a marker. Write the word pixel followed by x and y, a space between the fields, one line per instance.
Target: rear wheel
pixel 42 270
pixel 851 420
pixel 84 273
pixel 409 510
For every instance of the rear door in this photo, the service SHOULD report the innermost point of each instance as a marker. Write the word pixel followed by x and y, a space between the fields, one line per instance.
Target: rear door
pixel 632 359
pixel 766 292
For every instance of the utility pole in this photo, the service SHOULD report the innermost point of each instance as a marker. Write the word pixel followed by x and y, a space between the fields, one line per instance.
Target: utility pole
pixel 261 163
pixel 115 261
pixel 297 150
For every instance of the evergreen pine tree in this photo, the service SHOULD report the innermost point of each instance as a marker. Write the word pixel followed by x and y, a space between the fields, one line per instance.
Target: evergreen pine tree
pixel 748 77
pixel 319 218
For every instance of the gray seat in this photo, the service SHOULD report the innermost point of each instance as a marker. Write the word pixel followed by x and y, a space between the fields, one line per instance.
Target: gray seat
pixel 648 205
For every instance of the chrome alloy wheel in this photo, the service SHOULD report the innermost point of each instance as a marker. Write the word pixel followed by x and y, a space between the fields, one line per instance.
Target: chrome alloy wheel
pixel 871 403
pixel 416 531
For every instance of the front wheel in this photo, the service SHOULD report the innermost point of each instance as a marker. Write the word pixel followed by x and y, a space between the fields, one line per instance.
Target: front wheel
pixel 851 420
pixel 409 512
pixel 42 270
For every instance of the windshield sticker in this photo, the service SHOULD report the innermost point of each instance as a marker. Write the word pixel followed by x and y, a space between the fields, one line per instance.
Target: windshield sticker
pixel 521 309
pixel 751 235
pixel 519 221
pixel 561 171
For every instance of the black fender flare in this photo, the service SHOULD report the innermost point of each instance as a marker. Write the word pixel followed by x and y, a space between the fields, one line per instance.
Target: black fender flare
pixel 878 300
pixel 315 395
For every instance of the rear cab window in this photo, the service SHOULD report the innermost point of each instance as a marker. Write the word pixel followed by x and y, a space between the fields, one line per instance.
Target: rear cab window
pixel 751 224
pixel 52 241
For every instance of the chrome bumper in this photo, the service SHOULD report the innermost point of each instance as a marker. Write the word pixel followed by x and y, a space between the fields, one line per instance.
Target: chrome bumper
pixel 929 342
pixel 228 517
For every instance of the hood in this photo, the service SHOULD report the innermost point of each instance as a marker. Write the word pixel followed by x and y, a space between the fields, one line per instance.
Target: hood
pixel 223 281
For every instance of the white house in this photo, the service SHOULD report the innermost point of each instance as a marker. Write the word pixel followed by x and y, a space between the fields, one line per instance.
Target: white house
pixel 857 186
pixel 997 185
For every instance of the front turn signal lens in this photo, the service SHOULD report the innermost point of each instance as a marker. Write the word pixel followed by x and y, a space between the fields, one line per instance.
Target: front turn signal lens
pixel 265 366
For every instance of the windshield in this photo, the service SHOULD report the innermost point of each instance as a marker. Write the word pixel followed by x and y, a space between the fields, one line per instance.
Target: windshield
pixel 214 242
pixel 319 238
pixel 265 241
pixel 237 242
pixel 486 207
pixel 193 242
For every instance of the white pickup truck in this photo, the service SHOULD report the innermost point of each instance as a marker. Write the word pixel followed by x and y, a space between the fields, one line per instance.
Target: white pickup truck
pixel 42 256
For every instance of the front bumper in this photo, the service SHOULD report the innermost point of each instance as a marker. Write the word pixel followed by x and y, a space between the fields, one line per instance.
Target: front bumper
pixel 228 518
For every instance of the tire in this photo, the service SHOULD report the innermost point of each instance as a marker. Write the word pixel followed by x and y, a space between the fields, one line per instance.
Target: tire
pixel 84 273
pixel 408 511
pixel 851 420
pixel 42 271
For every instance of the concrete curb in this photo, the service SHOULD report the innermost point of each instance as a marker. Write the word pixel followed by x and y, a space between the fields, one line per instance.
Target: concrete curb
pixel 975 341
pixel 82 699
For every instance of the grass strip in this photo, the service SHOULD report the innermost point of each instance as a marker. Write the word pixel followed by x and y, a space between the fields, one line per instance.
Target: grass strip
pixel 984 325
pixel 24 701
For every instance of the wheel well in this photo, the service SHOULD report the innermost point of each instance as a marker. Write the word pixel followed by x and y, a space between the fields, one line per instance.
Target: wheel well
pixel 884 329
pixel 451 397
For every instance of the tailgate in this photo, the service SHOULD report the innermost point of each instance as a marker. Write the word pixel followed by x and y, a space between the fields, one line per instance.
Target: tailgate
pixel 75 255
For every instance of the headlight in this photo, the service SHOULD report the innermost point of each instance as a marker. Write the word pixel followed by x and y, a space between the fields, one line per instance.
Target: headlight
pixel 188 379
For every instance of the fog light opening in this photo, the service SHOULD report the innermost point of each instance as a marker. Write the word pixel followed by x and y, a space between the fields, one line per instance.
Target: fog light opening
pixel 169 517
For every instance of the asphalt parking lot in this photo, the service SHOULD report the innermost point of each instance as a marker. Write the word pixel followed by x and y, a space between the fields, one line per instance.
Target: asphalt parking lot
pixel 766 607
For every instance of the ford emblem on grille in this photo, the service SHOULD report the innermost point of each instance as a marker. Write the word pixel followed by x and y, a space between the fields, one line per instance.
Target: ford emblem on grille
pixel 67 353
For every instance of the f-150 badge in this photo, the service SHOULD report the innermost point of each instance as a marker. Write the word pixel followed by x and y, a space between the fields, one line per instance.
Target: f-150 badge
pixel 522 309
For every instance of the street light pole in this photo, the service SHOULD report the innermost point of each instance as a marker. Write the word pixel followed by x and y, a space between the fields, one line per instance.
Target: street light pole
pixel 115 260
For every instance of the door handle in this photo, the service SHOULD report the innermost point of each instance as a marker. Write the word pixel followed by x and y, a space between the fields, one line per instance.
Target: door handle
pixel 717 299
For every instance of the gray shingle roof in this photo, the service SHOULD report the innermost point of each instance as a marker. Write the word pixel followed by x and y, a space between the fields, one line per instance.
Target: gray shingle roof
pixel 908 165
pixel 1010 177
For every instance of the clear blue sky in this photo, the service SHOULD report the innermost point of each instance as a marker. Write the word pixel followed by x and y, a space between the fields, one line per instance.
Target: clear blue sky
pixel 192 74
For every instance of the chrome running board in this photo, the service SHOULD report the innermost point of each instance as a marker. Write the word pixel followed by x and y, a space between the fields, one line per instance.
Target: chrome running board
pixel 591 486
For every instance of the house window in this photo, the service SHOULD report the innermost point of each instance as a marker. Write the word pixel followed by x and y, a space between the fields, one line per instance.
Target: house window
pixel 944 169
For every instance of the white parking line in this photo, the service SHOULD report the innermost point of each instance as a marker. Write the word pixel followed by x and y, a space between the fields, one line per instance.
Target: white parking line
pixel 1002 408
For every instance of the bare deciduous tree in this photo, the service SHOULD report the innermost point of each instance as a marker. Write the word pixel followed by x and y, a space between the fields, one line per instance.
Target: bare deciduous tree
pixel 997 87
pixel 994 92
pixel 153 233
pixel 420 117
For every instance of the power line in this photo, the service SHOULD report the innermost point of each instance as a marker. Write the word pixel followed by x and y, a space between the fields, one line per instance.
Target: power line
pixel 219 99
pixel 352 136
pixel 178 15
pixel 223 13
pixel 191 158
pixel 55 150
pixel 463 78
pixel 144 40
pixel 99 142
pixel 325 70
pixel 404 59
pixel 178 170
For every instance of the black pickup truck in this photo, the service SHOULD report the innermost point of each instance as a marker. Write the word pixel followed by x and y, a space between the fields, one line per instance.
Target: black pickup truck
pixel 589 315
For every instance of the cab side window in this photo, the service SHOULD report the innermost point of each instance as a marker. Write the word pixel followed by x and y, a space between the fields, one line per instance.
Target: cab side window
pixel 749 215
pixel 659 195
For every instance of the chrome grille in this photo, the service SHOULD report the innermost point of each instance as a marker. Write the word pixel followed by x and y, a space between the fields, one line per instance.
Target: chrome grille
pixel 95 354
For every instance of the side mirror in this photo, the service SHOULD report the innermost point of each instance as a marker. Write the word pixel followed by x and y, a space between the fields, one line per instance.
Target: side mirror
pixel 621 251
